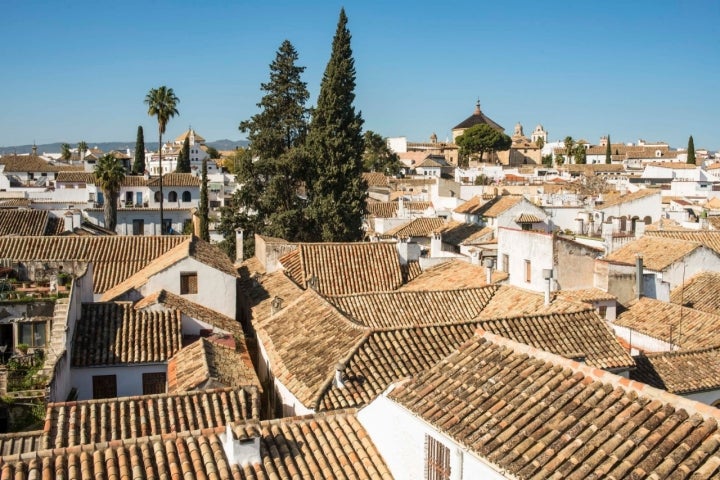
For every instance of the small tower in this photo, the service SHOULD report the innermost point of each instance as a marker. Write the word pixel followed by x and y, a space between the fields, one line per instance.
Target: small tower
pixel 539 132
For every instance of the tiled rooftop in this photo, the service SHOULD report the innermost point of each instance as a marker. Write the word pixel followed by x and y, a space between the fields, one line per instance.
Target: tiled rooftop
pixel 32 163
pixel 114 258
pixel 709 238
pixel 406 308
pixel 342 268
pixel 511 301
pixel 94 421
pixel 320 447
pixel 207 364
pixel 472 206
pixel 699 292
pixel 457 233
pixel 503 204
pixel 657 253
pixel 19 442
pixel 375 179
pixel 683 372
pixel 618 199
pixel 418 227
pixel 193 247
pixel 684 327
pixel 170 301
pixel 587 295
pixel 29 223
pixel 176 180
pixel 116 333
pixel 532 414
pixel 390 209
pixel 452 274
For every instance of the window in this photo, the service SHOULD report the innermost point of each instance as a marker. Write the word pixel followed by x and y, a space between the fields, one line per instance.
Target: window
pixel 138 226
pixel 506 263
pixel 104 386
pixel 437 460
pixel 188 283
pixel 528 270
pixel 186 196
pixel 154 383
pixel 158 197
pixel 33 334
pixel 602 311
pixel 172 196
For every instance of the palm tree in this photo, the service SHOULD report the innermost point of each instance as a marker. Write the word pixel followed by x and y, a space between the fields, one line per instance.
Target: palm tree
pixel 162 103
pixel 65 149
pixel 82 148
pixel 569 143
pixel 109 175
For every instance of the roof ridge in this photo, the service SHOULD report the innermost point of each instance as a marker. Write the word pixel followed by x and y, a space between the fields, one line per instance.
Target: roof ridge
pixel 327 384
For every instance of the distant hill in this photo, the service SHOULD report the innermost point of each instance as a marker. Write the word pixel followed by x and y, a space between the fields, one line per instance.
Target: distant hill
pixel 223 144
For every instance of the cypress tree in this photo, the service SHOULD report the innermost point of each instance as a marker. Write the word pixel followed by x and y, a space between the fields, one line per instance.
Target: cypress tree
pixel 273 167
pixel 204 209
pixel 336 189
pixel 139 163
pixel 183 161
pixel 691 151
pixel 608 151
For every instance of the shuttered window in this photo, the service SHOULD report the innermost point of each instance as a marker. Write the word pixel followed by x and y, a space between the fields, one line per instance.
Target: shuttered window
pixel 437 460
pixel 188 283
pixel 104 386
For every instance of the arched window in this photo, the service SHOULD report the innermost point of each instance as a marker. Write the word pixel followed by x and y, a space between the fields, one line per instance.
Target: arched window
pixel 186 196
pixel 157 197
pixel 172 196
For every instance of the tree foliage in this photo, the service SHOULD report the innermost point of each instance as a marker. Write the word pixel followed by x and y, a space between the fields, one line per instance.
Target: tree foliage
pixel 608 151
pixel 271 170
pixel 183 161
pixel 336 189
pixel 539 142
pixel 691 151
pixel 377 156
pixel 82 148
pixel 579 154
pixel 109 175
pixel 65 152
pixel 204 207
pixel 139 163
pixel 479 139
pixel 162 104
pixel 213 153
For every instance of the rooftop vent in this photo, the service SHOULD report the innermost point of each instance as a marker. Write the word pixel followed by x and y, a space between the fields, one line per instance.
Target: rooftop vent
pixel 244 451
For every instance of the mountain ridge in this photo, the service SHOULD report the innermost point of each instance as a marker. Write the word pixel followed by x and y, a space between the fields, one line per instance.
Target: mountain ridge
pixel 222 144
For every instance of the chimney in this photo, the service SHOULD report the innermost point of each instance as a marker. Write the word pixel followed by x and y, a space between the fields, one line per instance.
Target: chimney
pixel 239 238
pixel 240 451
pixel 547 275
pixel 435 245
pixel 407 251
pixel 639 275
pixel 276 305
pixel 339 374
pixel 488 263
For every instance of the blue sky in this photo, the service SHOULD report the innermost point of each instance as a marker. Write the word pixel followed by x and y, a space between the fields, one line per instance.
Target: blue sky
pixel 76 70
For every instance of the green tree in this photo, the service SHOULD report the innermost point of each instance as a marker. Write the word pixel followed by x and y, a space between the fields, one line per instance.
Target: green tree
pixel 82 148
pixel 579 154
pixel 608 151
pixel 479 139
pixel 377 157
pixel 539 142
pixel 139 163
pixel 162 104
pixel 183 161
pixel 271 170
pixel 691 151
pixel 109 175
pixel 65 152
pixel 569 145
pixel 204 208
pixel 336 189
pixel 213 153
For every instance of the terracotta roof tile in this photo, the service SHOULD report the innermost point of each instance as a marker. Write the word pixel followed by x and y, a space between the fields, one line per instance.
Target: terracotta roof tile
pixel 171 301
pixel 406 308
pixel 511 301
pixel 532 414
pixel 684 372
pixel 176 180
pixel 342 268
pixel 88 178
pixel 684 327
pixel 375 179
pixel 192 247
pixel 31 163
pixel 27 222
pixel 318 447
pixel 390 209
pixel 457 233
pixel 452 274
pixel 418 227
pixel 587 295
pixel 528 218
pixel 305 363
pixel 263 289
pixel 114 258
pixel 94 421
pixel 618 199
pixel 699 292
pixel 502 204
pixel 657 253
pixel 207 364
pixel 115 333
pixel 19 442
pixel 710 239
pixel 474 205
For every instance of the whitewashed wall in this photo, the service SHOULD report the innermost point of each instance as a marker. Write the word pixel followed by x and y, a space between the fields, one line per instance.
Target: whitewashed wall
pixel 401 442
pixel 520 246
pixel 128 378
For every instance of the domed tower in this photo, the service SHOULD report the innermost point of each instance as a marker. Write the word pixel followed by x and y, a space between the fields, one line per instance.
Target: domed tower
pixel 477 118
pixel 539 132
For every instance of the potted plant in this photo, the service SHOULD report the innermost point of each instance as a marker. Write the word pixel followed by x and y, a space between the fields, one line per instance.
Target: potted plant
pixel 22 348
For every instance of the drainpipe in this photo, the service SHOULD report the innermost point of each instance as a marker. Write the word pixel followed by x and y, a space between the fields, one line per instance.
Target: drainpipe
pixel 639 275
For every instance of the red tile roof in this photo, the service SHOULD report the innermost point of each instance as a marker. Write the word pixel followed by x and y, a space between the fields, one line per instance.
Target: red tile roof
pixel 684 372
pixel 531 414
pixel 699 292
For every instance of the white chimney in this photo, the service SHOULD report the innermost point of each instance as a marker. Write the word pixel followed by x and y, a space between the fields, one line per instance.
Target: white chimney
pixel 488 263
pixel 240 452
pixel 239 239
pixel 339 374
pixel 407 251
pixel 547 275
pixel 436 245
